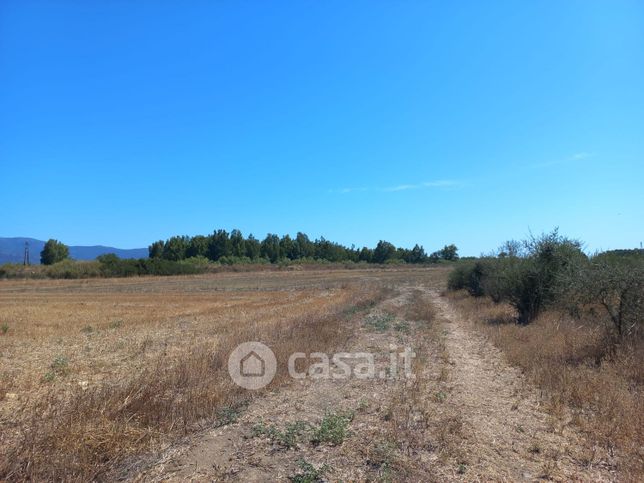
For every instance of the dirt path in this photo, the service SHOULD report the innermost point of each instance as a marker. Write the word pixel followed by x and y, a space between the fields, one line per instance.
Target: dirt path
pixel 512 437
pixel 467 416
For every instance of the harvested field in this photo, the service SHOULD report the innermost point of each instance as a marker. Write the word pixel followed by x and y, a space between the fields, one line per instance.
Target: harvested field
pixel 127 379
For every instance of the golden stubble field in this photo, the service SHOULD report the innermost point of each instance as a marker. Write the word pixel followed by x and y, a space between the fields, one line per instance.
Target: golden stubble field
pixel 92 371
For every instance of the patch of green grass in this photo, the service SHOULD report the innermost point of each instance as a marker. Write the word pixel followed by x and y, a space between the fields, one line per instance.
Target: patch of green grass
pixel 60 365
pixel 333 428
pixel 88 329
pixel 403 327
pixel 4 328
pixel 288 438
pixel 380 323
pixel 115 324
pixel 229 415
pixel 309 473
pixel 49 376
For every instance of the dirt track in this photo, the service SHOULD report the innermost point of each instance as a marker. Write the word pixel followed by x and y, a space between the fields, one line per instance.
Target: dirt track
pixel 468 416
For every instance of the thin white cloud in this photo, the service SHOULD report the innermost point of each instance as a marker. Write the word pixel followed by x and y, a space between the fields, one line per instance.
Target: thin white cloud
pixel 575 157
pixel 442 183
pixel 578 156
pixel 405 187
pixel 401 187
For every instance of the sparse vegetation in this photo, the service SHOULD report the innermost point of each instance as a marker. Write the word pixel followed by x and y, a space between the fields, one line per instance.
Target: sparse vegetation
pixel 333 428
pixel 309 473
pixel 583 343
pixel 380 322
pixel 288 437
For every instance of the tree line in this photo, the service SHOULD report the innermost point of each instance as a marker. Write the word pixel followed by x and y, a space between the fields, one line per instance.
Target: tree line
pixel 233 247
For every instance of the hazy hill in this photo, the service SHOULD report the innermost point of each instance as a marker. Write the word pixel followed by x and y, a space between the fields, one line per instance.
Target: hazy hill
pixel 12 251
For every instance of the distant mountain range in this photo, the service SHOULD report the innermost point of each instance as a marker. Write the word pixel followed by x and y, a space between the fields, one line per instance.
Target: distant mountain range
pixel 12 250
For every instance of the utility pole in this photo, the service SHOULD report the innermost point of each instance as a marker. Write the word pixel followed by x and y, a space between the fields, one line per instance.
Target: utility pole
pixel 26 259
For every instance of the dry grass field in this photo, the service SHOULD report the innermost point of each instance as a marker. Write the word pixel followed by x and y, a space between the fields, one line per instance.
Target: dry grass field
pixel 93 371
pixel 585 381
pixel 107 379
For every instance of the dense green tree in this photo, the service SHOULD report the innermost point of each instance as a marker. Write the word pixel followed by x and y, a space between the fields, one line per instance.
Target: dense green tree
pixel 270 248
pixel 53 252
pixel 219 245
pixel 156 249
pixel 288 248
pixel 449 252
pixel 416 255
pixel 235 249
pixel 253 247
pixel 384 251
pixel 327 250
pixel 365 255
pixel 237 243
pixel 197 247
pixel 175 248
pixel 305 247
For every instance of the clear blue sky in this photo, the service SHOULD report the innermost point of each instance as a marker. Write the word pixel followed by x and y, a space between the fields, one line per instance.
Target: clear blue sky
pixel 431 122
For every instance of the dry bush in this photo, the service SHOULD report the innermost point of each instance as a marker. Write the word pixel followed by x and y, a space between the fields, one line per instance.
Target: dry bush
pixel 68 432
pixel 580 369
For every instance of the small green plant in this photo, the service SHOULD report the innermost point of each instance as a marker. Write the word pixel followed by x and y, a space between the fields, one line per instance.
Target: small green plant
pixel 381 323
pixel 60 366
pixel 333 428
pixel 309 473
pixel 462 468
pixel 49 376
pixel 440 396
pixel 402 327
pixel 228 415
pixel 115 324
pixel 4 328
pixel 88 329
pixel 287 438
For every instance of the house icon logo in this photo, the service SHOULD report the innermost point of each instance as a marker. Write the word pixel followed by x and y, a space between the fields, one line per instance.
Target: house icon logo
pixel 252 365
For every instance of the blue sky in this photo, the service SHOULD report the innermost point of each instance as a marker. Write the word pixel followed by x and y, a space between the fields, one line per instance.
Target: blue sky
pixel 431 122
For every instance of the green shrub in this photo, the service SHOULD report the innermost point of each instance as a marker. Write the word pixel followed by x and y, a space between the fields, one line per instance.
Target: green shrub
pixel 333 428
pixel 233 260
pixel 536 281
pixel 530 279
pixel 309 473
pixel 458 277
pixel 73 269
pixel 112 266
pixel 470 275
pixel 616 283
